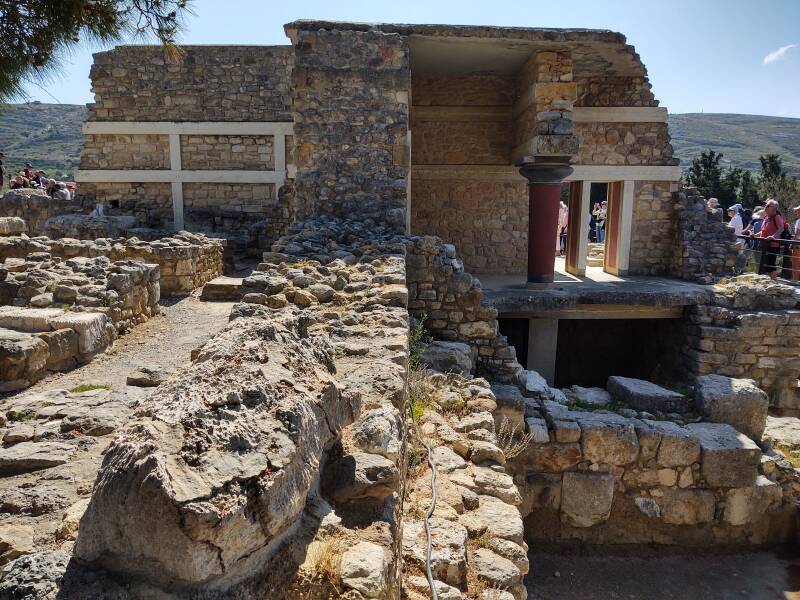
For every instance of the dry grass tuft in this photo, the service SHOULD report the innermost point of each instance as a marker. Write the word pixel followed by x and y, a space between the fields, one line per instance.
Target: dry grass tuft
pixel 422 392
pixel 512 440
pixel 324 560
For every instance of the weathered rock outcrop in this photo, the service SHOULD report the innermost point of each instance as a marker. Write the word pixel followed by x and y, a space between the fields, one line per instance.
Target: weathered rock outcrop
pixel 221 464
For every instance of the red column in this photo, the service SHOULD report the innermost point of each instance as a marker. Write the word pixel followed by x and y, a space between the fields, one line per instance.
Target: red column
pixel 544 190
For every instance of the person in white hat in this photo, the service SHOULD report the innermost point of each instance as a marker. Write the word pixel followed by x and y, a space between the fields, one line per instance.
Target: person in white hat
pixel 736 219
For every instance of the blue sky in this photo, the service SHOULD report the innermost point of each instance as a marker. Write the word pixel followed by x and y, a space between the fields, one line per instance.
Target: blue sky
pixel 702 55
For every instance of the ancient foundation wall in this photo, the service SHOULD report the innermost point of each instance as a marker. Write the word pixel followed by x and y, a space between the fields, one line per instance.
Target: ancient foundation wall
pixel 350 103
pixel 35 208
pixel 186 260
pixel 652 228
pixel 752 330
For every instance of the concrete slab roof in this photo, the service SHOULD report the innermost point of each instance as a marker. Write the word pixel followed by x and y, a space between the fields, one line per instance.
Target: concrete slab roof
pixel 492 50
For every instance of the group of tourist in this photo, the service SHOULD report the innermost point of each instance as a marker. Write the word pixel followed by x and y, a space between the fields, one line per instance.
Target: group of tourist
pixel 36 179
pixel 597 225
pixel 766 223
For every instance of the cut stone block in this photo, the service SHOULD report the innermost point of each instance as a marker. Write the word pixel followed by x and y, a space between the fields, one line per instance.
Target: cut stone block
pixel 32 320
pixel 364 569
pixel 647 396
pixel 686 507
pixel 729 458
pixel 33 456
pixel 12 226
pixel 586 498
pixel 608 438
pixel 678 447
pixel 748 504
pixel 449 357
pixel 594 397
pixel 23 360
pixel 535 385
pixel 95 331
pixel 737 402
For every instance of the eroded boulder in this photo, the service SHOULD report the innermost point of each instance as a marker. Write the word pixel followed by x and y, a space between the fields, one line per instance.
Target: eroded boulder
pixel 221 464
pixel 737 402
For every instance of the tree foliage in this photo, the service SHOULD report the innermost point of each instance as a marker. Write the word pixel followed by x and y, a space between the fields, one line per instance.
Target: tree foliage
pixel 731 185
pixel 35 34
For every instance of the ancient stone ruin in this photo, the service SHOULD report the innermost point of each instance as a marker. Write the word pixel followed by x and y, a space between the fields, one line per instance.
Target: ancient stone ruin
pixel 409 392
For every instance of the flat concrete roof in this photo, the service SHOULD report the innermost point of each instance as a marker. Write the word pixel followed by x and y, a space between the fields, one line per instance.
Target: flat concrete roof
pixel 597 296
pixel 484 49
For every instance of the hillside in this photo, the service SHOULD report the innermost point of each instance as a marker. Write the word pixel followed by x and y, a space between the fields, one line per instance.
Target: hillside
pixel 48 136
pixel 741 138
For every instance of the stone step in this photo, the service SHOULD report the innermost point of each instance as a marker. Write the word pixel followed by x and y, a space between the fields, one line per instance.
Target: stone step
pixel 594 262
pixel 222 289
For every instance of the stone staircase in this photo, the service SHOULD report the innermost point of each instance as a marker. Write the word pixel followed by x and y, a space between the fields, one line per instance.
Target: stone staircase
pixel 596 255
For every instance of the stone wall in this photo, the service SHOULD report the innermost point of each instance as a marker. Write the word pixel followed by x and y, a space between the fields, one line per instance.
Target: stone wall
pixel 209 83
pixel 227 152
pixel 186 260
pixel 149 203
pixel 486 220
pixel 350 94
pixel 604 478
pixel 125 152
pixel 705 246
pixel 624 144
pixel 450 300
pixel 605 90
pixel 35 208
pixel 752 329
pixel 652 228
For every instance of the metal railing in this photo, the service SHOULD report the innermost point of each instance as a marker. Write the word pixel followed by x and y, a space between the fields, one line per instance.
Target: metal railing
pixel 765 256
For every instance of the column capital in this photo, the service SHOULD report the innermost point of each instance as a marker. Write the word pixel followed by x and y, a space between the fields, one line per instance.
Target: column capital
pixel 544 169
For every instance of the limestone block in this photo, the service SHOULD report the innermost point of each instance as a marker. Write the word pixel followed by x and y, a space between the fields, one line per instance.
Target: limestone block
pixel 34 320
pixel 12 226
pixel 541 490
pixel 586 498
pixel 379 431
pixel 738 402
pixel 33 456
pixel 449 357
pixel 729 458
pixel 498 518
pixel 95 332
pixel 360 476
pixel 747 504
pixel 609 439
pixel 23 359
pixel 686 507
pixel 510 404
pixel 63 349
pixel 535 385
pixel 678 447
pixel 551 458
pixel 364 568
pixel 647 396
pixel 495 569
pixel 594 397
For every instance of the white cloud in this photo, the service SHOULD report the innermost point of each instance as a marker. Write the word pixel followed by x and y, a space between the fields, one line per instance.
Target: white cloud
pixel 778 54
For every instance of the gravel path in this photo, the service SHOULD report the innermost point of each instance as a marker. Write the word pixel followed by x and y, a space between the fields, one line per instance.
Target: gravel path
pixel 164 342
pixel 662 574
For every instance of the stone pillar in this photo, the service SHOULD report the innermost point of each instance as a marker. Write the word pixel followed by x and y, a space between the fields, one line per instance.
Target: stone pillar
pixel 545 176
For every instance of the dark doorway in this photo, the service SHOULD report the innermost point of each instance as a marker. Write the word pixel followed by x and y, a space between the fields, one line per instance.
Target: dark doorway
pixel 516 330
pixel 591 350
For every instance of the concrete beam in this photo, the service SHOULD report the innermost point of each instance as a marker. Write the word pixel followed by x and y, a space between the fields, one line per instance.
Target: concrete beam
pixel 185 128
pixel 619 114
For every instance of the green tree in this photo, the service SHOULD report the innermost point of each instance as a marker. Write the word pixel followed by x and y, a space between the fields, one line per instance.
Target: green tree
pixel 35 34
pixel 771 166
pixel 706 174
pixel 747 190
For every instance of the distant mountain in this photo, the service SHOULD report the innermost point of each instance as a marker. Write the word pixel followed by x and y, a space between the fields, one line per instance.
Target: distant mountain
pixel 740 138
pixel 48 136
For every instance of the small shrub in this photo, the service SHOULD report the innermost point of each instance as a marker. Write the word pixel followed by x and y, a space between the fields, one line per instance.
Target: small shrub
pixel 418 340
pixel 482 541
pixel 88 387
pixel 512 440
pixel 25 415
pixel 422 393
pixel 324 560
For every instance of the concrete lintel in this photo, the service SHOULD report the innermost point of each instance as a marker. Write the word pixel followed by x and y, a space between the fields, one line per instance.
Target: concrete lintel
pixel 603 311
pixel 170 176
pixel 619 114
pixel 596 173
pixel 187 128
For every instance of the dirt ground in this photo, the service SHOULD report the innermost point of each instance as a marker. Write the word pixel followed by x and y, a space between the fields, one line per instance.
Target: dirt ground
pixel 163 342
pixel 661 574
